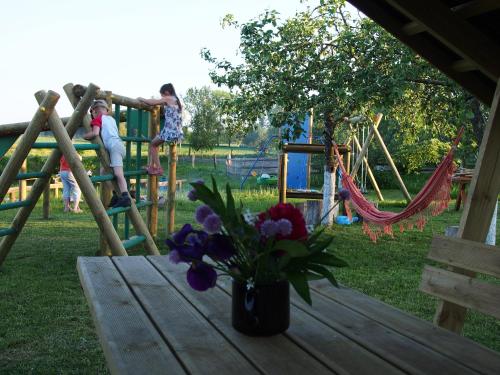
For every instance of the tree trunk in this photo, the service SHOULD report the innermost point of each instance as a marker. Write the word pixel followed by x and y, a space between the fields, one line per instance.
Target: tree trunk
pixel 329 172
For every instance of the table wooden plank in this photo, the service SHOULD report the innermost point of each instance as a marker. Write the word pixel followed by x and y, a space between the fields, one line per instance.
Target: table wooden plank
pixel 200 347
pixel 309 340
pixel 130 342
pixel 461 349
pixel 395 348
pixel 272 355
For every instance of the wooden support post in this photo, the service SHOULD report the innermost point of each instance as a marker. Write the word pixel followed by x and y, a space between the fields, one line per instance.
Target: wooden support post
pixel 23 183
pixel 282 177
pixel 48 168
pixel 152 211
pixel 392 165
pixel 364 150
pixel 368 169
pixel 46 201
pixel 26 141
pixel 479 207
pixel 133 213
pixel 172 177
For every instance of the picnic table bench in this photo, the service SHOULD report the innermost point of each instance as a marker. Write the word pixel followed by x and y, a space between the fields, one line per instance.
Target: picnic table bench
pixel 149 321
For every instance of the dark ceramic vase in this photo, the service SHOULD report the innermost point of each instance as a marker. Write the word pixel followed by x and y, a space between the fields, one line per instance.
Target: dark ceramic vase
pixel 262 310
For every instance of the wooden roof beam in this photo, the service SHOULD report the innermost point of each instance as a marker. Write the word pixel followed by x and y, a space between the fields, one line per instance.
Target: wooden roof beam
pixel 483 89
pixel 462 11
pixel 456 34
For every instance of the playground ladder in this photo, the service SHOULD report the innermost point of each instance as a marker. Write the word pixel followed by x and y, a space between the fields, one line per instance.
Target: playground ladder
pixel 65 146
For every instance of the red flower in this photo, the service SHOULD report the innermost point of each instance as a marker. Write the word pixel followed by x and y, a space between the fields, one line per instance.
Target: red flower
pixel 285 211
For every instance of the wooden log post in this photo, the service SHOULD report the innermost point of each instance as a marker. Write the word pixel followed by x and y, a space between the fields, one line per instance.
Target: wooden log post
pixel 364 149
pixel 479 207
pixel 172 182
pixel 48 168
pixel 23 183
pixel 152 211
pixel 26 141
pixel 282 177
pixel 133 213
pixel 392 165
pixel 368 169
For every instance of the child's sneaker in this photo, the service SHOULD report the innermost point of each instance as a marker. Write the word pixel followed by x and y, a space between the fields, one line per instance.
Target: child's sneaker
pixel 113 200
pixel 123 201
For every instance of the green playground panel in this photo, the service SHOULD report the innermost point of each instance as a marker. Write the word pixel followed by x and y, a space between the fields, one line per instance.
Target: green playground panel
pixel 6 143
pixel 137 123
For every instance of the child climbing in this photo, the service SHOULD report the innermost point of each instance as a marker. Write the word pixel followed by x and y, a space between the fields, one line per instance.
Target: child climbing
pixel 105 125
pixel 172 129
pixel 71 190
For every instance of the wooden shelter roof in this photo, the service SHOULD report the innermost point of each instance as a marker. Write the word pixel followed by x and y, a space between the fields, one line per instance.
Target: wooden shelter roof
pixel 460 37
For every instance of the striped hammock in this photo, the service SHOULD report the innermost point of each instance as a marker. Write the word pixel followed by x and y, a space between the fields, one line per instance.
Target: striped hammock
pixel 432 200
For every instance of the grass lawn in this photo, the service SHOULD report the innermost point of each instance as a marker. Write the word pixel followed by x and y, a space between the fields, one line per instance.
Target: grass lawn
pixel 46 326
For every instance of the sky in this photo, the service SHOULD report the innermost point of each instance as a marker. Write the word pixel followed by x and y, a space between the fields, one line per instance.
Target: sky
pixel 128 47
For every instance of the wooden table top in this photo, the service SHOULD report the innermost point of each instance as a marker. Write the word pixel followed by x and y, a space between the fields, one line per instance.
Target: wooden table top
pixel 150 321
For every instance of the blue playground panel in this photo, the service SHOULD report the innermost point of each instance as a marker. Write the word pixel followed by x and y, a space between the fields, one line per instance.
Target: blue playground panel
pixel 296 177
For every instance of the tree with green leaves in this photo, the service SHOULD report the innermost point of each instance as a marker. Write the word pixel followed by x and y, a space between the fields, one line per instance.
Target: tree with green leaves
pixel 340 65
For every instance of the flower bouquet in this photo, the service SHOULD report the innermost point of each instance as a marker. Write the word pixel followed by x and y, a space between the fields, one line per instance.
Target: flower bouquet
pixel 262 253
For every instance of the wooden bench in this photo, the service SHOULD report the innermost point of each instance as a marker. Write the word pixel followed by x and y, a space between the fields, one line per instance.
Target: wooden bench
pixel 462 288
pixel 150 321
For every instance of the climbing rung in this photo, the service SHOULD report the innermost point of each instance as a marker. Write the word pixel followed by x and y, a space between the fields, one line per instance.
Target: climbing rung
pixel 7 231
pixel 133 241
pixel 11 205
pixel 26 176
pixel 144 204
pixel 87 146
pixel 135 173
pixel 78 146
pixel 104 177
pixel 117 210
pixel 44 145
pixel 136 139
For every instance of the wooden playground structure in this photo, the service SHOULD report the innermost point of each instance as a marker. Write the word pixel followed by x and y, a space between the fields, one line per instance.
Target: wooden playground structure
pixel 46 118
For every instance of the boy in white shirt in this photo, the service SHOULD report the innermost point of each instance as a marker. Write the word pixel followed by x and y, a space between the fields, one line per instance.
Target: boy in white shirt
pixel 105 125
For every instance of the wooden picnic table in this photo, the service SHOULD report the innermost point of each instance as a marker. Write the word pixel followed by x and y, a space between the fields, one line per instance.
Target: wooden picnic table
pixel 150 321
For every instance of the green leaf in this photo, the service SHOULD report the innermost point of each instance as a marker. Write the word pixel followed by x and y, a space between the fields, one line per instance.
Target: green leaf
pixel 293 248
pixel 232 214
pixel 320 244
pixel 299 283
pixel 324 272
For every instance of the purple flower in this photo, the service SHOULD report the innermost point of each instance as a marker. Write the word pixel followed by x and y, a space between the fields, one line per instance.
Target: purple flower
pixel 200 181
pixel 212 223
pixel 180 236
pixel 202 212
pixel 344 195
pixel 269 228
pixel 192 195
pixel 201 276
pixel 220 247
pixel 284 227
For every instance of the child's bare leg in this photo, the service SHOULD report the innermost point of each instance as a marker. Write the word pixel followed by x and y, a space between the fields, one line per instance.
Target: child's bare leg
pixel 120 179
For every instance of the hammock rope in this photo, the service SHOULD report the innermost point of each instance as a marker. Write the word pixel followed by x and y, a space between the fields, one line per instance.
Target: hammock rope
pixel 432 200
